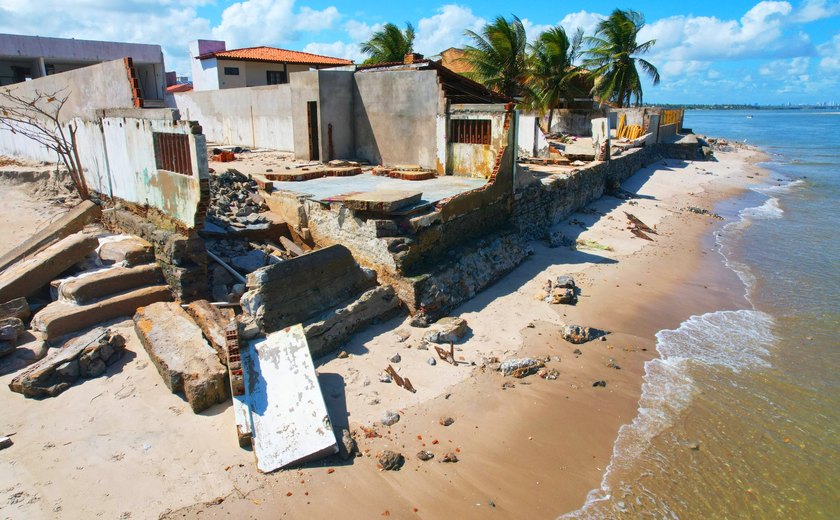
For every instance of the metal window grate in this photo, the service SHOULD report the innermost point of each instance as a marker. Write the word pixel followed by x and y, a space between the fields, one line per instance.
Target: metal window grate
pixel 471 131
pixel 172 152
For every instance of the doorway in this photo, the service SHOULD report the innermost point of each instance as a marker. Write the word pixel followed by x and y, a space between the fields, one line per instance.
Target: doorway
pixel 312 118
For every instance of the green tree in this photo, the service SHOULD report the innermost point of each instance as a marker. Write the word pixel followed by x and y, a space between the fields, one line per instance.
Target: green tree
pixel 553 74
pixel 498 57
pixel 613 55
pixel 389 44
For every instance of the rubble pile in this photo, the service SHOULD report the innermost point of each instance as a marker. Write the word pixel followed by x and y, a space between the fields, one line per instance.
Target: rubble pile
pixel 243 256
pixel 234 201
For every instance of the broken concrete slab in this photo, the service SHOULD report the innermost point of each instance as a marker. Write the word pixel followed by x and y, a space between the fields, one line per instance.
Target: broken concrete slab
pixel 332 329
pixel 447 330
pixel 29 350
pixel 60 318
pixel 91 286
pixel 382 201
pixel 131 250
pixel 185 361
pixel 213 322
pixel 10 329
pixel 17 308
pixel 71 222
pixel 27 276
pixel 288 413
pixel 301 288
pixel 85 356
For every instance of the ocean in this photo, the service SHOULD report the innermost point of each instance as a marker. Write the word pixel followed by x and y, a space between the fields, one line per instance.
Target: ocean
pixel 739 415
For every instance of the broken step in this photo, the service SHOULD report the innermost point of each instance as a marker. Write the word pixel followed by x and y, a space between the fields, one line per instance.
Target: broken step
pixel 26 277
pixel 183 358
pixel 382 201
pixel 213 322
pixel 60 318
pixel 131 250
pixel 99 284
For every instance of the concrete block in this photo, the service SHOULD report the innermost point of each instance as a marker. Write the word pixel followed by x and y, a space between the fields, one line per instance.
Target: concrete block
pixel 27 276
pixel 382 201
pixel 71 222
pixel 296 290
pixel 84 289
pixel 133 251
pixel 60 318
pixel 289 417
pixel 331 330
pixel 212 321
pixel 84 356
pixel 185 361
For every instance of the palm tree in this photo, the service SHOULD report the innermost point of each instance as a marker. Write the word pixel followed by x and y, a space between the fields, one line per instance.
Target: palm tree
pixel 389 44
pixel 612 57
pixel 553 73
pixel 497 56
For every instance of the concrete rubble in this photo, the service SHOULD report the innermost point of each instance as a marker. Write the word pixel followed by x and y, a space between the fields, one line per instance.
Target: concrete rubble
pixel 213 322
pixel 184 359
pixel 447 330
pixel 85 356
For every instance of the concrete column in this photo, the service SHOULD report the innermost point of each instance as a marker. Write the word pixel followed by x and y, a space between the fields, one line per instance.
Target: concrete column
pixel 42 67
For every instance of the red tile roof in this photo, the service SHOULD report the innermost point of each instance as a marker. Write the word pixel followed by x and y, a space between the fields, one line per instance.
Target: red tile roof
pixel 272 54
pixel 180 87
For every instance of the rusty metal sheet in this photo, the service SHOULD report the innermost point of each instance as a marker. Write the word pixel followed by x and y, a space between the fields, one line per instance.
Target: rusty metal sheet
pixel 289 418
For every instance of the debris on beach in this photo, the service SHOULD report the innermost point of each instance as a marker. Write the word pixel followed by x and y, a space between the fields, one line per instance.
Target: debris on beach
pixel 447 330
pixel 402 382
pixel 562 291
pixel 390 460
pixel 446 421
pixel 702 211
pixel 579 334
pixel 449 457
pixel 551 374
pixel 520 367
pixel 425 455
pixel 390 418
pixel 601 383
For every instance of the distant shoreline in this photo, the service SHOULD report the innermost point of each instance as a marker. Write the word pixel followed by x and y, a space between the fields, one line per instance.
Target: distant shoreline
pixel 747 107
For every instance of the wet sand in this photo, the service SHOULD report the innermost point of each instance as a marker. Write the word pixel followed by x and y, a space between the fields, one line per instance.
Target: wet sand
pixel 531 451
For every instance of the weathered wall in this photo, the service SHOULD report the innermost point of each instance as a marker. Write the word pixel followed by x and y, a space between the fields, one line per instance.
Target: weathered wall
pixel 100 86
pixel 395 117
pixel 573 121
pixel 255 116
pixel 476 160
pixel 305 88
pixel 531 140
pixel 301 288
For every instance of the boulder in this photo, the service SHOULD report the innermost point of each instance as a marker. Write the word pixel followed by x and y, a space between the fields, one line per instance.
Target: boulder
pixel 447 330
pixel 391 460
pixel 10 329
pixel 565 281
pixel 132 251
pixel 578 334
pixel 184 359
pixel 562 295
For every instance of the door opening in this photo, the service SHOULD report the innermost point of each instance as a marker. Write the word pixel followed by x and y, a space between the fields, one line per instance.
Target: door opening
pixel 312 117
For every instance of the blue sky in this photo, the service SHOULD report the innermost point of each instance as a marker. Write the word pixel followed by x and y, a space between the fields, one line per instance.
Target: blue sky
pixel 712 52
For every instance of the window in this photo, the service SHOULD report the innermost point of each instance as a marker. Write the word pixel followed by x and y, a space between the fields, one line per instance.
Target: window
pixel 172 152
pixel 231 71
pixel 470 131
pixel 275 77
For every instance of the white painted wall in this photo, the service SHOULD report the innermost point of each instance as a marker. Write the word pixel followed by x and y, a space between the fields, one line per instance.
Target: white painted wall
pixel 255 116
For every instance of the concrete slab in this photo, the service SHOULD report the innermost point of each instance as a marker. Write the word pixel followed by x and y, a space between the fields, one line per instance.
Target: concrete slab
pixel 89 287
pixel 434 190
pixel 185 361
pixel 26 277
pixel 60 318
pixel 289 418
pixel 132 251
pixel 382 201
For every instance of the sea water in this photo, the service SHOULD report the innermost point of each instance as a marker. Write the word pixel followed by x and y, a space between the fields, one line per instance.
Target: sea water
pixel 739 415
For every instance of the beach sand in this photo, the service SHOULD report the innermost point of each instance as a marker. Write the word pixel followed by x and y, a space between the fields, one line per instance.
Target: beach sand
pixel 122 446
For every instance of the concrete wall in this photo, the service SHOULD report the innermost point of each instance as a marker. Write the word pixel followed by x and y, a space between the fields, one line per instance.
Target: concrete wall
pixel 115 143
pixel 305 88
pixel 258 117
pixel 573 121
pixel 531 141
pixel 395 113
pixel 100 86
pixel 336 110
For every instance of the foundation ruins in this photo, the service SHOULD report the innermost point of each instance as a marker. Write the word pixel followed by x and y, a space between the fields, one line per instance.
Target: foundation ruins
pixel 400 189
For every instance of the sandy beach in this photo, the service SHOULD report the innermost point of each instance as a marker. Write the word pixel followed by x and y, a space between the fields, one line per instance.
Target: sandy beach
pixel 123 446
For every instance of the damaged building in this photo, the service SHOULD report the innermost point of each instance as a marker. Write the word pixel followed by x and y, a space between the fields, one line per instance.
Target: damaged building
pixel 327 199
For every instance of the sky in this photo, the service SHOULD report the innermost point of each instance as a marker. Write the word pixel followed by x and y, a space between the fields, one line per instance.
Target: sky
pixel 767 52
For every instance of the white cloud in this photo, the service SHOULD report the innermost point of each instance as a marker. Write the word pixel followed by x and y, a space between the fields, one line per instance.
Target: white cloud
pixel 360 31
pixel 830 52
pixel 812 10
pixel 581 19
pixel 533 30
pixel 445 29
pixel 337 49
pixel 785 68
pixel 270 22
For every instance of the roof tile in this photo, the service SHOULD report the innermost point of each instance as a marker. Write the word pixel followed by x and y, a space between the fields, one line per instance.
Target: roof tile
pixel 273 54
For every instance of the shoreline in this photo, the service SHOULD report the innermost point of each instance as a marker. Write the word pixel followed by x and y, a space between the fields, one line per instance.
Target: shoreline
pixel 534 450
